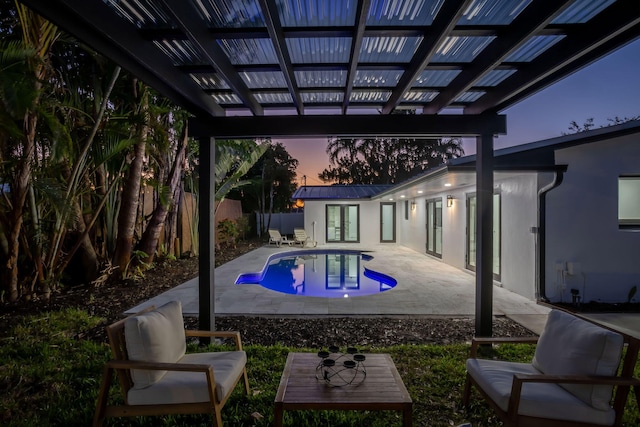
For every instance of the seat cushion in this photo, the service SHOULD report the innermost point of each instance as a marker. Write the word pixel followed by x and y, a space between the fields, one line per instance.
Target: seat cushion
pixel 537 399
pixel 155 336
pixel 191 387
pixel 569 345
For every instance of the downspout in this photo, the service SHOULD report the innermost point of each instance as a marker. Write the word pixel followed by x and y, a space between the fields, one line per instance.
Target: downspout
pixel 541 288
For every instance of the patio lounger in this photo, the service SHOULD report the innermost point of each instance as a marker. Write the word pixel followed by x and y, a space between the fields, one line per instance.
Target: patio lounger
pixel 276 238
pixel 300 236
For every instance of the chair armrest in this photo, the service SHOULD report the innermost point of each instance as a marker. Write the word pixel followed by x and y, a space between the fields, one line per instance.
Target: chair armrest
pixel 520 379
pixel 218 334
pixel 158 366
pixel 499 340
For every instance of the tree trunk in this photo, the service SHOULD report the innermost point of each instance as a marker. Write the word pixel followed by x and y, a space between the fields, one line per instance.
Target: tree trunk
pixel 19 191
pixel 149 241
pixel 131 196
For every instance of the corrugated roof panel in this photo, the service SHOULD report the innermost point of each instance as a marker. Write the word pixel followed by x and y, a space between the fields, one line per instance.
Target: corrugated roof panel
pixel 264 79
pixel 494 77
pixel 436 78
pixel 322 97
pixel 249 51
pixel 419 96
pixel 226 98
pixel 388 49
pixel 325 13
pixel 209 81
pixel 492 12
pixel 142 13
pixel 532 48
pixel 330 78
pixel 337 192
pixel 181 52
pixel 370 95
pixel 403 12
pixel 582 11
pixel 319 50
pixel 375 78
pixel 469 96
pixel 231 13
pixel 461 49
pixel 274 98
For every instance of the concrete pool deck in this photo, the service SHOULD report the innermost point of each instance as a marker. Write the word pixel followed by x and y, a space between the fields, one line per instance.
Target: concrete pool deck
pixel 426 287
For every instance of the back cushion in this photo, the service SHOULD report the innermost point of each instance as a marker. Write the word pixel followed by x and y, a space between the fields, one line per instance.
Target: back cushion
pixel 155 336
pixel 572 346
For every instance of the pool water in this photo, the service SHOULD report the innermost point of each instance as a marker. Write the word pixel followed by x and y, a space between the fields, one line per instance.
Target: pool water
pixel 320 273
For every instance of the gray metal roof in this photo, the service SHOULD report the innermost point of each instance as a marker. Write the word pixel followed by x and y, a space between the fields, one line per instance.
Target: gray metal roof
pixel 338 192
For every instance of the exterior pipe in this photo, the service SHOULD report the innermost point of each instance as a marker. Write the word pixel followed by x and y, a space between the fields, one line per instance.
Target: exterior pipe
pixel 541 290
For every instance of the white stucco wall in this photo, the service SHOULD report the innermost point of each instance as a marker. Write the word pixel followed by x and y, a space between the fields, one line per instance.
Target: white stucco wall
pixel 582 223
pixel 519 204
pixel 519 199
pixel 315 211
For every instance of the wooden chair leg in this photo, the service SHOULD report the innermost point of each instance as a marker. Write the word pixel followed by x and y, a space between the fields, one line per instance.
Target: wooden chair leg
pixel 103 396
pixel 247 390
pixel 217 416
pixel 466 394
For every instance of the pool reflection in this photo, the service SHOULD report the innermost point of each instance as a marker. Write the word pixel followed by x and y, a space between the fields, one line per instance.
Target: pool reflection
pixel 328 274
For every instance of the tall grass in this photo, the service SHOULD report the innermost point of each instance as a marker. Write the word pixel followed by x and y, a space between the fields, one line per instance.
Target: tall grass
pixel 49 376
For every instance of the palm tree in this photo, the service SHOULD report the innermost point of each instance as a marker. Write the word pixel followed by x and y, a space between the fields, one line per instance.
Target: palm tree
pixel 38 36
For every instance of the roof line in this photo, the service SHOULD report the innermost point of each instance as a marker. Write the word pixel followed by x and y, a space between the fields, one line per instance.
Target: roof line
pixel 572 139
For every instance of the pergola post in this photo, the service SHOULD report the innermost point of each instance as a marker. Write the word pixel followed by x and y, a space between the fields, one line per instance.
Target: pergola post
pixel 484 235
pixel 206 233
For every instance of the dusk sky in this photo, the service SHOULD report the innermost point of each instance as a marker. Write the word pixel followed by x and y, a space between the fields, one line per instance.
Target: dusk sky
pixel 602 90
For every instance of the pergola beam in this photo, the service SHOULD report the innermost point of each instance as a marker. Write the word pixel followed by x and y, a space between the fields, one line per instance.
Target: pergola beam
pixel 272 21
pixel 529 22
pixel 444 22
pixel 357 36
pixel 97 25
pixel 565 57
pixel 349 125
pixel 198 33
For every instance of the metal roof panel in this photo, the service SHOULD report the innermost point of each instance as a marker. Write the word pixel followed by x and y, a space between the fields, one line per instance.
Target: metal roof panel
pixel 338 192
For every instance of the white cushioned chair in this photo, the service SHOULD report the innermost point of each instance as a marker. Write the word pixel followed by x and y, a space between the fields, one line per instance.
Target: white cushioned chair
pixel 569 382
pixel 157 376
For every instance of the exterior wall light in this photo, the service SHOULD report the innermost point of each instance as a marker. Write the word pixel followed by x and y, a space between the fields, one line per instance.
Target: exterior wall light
pixel 449 200
pixel 413 206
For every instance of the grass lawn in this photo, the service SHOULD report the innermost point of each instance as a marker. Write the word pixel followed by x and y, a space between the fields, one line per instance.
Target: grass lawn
pixel 50 377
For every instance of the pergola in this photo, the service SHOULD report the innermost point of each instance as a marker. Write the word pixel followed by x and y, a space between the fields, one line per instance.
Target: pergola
pixel 269 68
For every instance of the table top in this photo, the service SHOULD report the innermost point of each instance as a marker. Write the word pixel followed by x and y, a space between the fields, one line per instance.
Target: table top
pixel 382 385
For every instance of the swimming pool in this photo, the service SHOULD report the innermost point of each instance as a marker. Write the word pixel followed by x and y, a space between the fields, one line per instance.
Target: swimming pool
pixel 326 273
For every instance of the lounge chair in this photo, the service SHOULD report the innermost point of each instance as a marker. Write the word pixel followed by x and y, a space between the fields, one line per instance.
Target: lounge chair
pixel 300 236
pixel 156 375
pixel 569 382
pixel 277 239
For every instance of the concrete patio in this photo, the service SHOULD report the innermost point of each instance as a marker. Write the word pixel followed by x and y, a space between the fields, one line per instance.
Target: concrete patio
pixel 426 287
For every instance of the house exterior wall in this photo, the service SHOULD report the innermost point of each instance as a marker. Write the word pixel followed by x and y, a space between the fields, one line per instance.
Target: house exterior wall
pixel 519 203
pixel 315 219
pixel 518 216
pixel 582 223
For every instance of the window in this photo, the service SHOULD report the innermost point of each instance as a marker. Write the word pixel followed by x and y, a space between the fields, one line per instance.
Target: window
pixel 406 209
pixel 471 234
pixel 434 227
pixel 629 201
pixel 343 223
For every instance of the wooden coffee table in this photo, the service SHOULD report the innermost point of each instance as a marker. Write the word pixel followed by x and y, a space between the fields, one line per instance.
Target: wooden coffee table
pixel 382 390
